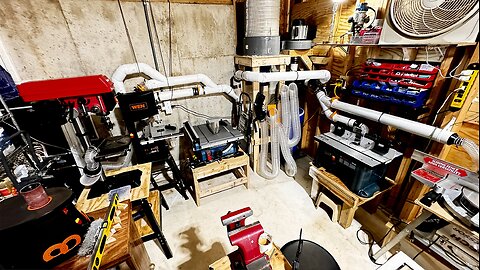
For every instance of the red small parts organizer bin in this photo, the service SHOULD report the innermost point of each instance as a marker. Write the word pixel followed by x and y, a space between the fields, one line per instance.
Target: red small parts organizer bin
pixel 402 83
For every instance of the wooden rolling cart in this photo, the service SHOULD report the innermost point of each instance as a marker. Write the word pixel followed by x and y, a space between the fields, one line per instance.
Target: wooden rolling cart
pixel 203 180
pixel 255 63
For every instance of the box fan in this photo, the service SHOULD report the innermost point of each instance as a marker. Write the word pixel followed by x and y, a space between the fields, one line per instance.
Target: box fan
pixel 433 22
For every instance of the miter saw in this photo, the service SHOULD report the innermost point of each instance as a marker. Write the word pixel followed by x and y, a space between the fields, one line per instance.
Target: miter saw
pixel 456 188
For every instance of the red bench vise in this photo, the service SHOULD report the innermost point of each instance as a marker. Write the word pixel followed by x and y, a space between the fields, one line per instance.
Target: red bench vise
pixel 246 237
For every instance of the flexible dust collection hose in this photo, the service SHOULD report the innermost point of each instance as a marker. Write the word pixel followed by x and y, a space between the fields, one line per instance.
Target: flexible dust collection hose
pixel 294 117
pixel 278 138
pixel 472 149
pixel 290 119
pixel 290 165
pixel 275 156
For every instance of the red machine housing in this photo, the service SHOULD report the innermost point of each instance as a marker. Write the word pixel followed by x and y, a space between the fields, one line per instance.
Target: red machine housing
pixel 95 92
pixel 244 236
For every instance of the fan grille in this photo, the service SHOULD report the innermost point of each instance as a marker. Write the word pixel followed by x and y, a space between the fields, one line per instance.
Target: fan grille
pixel 427 18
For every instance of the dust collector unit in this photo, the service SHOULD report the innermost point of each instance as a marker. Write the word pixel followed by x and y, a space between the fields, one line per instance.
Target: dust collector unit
pixel 262 27
pixel 431 22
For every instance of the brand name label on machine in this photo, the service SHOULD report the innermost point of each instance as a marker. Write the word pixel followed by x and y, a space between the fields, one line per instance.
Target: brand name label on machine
pixel 138 106
pixel 445 166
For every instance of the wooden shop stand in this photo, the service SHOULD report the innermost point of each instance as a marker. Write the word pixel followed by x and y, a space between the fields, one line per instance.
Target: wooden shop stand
pixel 344 213
pixel 255 63
pixel 204 180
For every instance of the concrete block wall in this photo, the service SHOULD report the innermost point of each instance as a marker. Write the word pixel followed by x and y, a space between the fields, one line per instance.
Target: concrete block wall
pixel 47 39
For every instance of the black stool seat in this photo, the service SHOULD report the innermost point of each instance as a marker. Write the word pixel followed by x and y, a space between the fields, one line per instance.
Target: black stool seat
pixel 313 256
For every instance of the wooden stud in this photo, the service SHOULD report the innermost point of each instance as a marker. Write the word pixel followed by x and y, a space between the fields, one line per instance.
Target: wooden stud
pixel 461 115
pixel 409 54
pixel 399 178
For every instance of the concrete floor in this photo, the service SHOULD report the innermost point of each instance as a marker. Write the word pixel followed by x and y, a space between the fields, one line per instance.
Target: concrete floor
pixel 283 206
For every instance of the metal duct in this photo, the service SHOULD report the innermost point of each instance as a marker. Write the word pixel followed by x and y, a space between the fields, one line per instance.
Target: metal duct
pixel 262 27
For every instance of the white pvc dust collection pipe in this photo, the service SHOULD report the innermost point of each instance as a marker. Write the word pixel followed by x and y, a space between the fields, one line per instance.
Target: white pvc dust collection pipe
pixel 420 129
pixel 322 75
pixel 335 117
pixel 125 70
pixel 437 134
pixel 275 156
pixel 158 81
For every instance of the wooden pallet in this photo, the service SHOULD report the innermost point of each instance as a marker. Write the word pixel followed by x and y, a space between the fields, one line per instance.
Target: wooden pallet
pixel 351 201
pixel 254 63
pixel 218 176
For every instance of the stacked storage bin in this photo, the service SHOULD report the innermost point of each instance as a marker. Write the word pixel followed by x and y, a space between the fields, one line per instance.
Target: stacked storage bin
pixel 407 84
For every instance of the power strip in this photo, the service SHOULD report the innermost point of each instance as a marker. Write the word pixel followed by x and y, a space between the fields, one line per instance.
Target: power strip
pixel 467 77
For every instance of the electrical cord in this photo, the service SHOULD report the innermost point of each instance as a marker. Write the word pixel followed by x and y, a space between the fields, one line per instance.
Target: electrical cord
pixel 443 104
pixel 450 76
pixel 371 241
pixel 335 91
pixel 311 117
pixel 201 115
pixel 427 247
pixel 128 34
pixel 160 48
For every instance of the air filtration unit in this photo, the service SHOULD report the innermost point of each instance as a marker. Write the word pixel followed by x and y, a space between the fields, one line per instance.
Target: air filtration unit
pixel 262 27
pixel 433 22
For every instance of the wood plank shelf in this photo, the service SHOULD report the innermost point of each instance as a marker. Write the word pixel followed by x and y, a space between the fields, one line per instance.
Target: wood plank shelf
pixel 203 180
pixel 260 61
pixel 351 201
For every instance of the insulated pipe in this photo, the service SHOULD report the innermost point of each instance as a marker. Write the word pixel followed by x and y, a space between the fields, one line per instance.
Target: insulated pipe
pixel 290 165
pixel 295 118
pixel 263 77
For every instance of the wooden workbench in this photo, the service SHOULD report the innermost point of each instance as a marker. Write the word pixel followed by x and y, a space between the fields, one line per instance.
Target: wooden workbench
pixel 140 192
pixel 128 246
